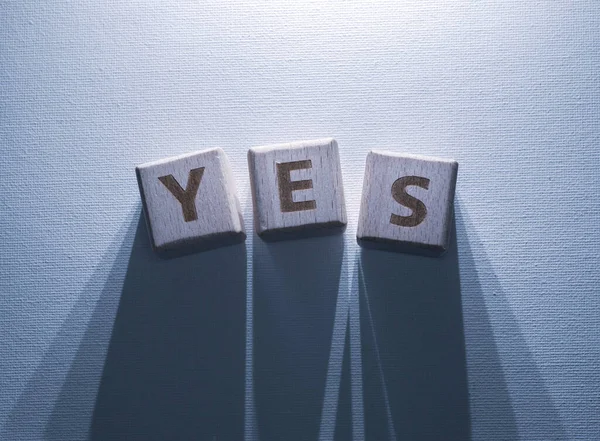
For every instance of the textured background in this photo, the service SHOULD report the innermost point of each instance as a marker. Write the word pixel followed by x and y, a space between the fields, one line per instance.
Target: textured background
pixel 307 339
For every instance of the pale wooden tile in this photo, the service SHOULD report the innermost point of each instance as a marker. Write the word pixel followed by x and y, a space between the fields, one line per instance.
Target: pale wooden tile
pixel 297 189
pixel 407 203
pixel 190 203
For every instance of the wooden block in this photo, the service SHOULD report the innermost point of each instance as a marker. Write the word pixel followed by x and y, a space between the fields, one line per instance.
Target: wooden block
pixel 297 189
pixel 407 203
pixel 190 203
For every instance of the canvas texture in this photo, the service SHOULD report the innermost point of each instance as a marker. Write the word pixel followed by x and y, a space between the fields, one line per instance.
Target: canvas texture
pixel 314 338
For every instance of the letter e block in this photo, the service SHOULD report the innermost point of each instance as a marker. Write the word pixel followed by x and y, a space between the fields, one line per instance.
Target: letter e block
pixel 190 203
pixel 297 189
pixel 407 203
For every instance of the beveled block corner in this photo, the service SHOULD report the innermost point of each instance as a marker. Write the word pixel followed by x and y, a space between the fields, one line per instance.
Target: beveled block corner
pixel 297 189
pixel 407 203
pixel 190 203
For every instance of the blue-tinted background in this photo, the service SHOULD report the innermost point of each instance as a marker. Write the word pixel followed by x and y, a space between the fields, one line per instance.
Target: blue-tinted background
pixel 311 339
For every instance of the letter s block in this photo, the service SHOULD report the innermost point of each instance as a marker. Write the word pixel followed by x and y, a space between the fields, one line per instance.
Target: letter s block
pixel 297 189
pixel 190 203
pixel 407 203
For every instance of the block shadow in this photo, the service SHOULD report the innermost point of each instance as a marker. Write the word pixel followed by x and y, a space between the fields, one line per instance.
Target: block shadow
pixel 295 289
pixel 58 401
pixel 155 386
pixel 174 367
pixel 420 331
pixel 413 346
pixel 498 354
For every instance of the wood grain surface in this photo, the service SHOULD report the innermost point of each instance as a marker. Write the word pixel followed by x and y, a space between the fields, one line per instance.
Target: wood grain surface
pixel 297 189
pixel 407 203
pixel 190 203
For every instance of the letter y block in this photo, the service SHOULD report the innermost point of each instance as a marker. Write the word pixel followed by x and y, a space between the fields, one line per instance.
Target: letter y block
pixel 190 203
pixel 297 189
pixel 407 203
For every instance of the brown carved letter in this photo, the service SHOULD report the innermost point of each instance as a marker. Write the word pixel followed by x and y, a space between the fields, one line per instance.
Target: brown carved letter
pixel 287 186
pixel 419 211
pixel 185 197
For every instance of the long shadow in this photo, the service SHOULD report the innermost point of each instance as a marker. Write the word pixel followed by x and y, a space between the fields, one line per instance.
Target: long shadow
pixel 295 292
pixel 58 402
pixel 175 363
pixel 498 355
pixel 414 360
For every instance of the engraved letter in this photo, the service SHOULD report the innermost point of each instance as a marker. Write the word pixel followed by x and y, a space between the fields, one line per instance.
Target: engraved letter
pixel 185 197
pixel 419 211
pixel 287 186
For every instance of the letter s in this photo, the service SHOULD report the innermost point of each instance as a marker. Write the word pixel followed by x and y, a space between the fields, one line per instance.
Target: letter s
pixel 419 211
